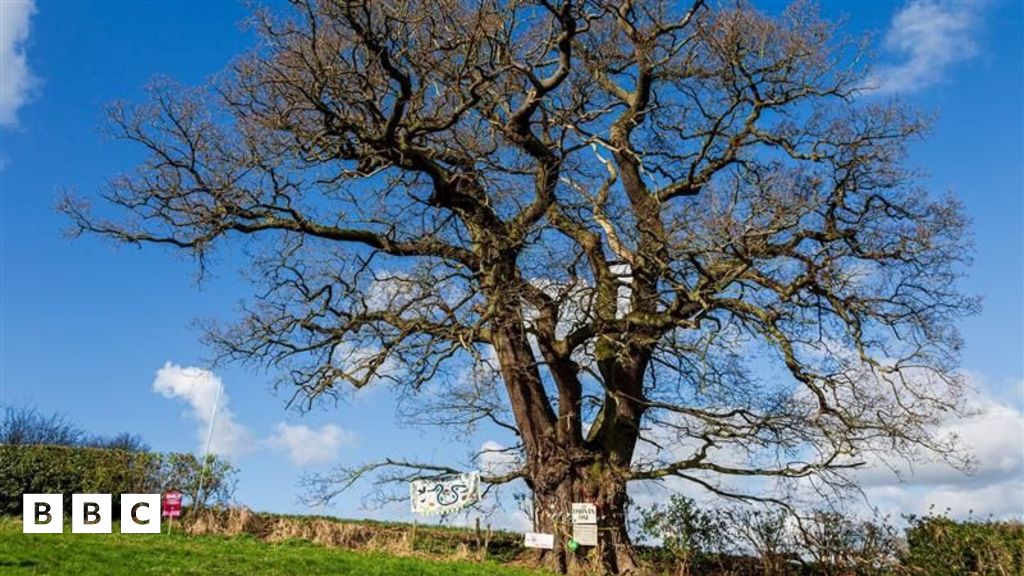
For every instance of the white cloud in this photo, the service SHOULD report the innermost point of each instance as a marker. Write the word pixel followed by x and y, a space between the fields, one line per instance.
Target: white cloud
pixel 929 36
pixel 495 459
pixel 994 434
pixel 1000 500
pixel 198 387
pixel 16 80
pixel 306 446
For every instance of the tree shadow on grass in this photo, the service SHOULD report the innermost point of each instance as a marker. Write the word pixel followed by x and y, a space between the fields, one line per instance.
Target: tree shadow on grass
pixel 18 563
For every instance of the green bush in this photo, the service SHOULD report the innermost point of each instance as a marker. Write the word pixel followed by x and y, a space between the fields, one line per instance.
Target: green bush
pixel 685 540
pixel 686 533
pixel 184 472
pixel 45 469
pixel 939 546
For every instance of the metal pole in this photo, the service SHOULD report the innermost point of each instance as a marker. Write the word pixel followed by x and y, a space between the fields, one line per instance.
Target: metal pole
pixel 209 439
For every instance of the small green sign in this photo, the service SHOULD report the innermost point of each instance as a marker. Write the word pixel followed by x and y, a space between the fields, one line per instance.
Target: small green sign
pixel 573 545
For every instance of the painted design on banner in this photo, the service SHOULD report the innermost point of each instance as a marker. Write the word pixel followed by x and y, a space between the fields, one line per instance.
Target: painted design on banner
pixel 445 494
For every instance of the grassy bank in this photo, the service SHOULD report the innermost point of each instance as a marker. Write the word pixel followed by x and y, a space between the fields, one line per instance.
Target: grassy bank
pixel 116 554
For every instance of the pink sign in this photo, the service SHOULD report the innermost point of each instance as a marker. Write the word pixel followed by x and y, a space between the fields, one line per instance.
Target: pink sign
pixel 172 504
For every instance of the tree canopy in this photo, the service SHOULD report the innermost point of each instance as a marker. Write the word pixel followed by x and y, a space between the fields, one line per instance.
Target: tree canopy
pixel 672 239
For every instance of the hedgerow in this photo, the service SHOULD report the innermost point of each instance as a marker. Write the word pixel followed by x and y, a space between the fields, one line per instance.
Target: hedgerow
pixel 47 469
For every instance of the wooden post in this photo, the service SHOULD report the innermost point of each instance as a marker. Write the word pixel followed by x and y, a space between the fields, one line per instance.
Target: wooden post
pixel 476 533
pixel 487 541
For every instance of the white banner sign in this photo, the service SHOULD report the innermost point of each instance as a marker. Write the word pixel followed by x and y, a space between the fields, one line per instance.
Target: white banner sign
pixel 585 534
pixel 583 513
pixel 538 540
pixel 445 494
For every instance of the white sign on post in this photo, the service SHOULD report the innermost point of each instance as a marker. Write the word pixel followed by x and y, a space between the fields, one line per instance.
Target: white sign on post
pixel 583 513
pixel 539 540
pixel 585 534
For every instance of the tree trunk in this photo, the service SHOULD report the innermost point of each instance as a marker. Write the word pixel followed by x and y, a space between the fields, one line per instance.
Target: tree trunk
pixel 555 488
pixel 562 466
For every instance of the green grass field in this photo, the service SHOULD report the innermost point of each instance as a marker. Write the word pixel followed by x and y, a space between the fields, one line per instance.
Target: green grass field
pixel 117 554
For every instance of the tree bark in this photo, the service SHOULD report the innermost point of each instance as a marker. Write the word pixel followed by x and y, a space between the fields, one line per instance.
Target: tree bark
pixel 587 480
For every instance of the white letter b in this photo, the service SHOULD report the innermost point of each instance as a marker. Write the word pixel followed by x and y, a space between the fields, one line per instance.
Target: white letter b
pixel 42 513
pixel 90 513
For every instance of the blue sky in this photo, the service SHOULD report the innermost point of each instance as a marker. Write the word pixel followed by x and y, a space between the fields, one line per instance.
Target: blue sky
pixel 85 326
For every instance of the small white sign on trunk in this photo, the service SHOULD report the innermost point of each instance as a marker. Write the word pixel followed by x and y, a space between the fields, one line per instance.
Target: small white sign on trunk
pixel 585 534
pixel 540 540
pixel 583 513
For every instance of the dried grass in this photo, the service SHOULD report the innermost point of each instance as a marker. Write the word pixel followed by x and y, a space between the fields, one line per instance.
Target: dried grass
pixel 393 539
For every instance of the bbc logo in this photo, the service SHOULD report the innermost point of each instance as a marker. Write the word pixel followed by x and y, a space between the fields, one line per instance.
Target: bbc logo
pixel 90 513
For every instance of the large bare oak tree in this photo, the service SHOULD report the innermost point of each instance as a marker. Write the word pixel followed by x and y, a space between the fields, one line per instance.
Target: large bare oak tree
pixel 687 244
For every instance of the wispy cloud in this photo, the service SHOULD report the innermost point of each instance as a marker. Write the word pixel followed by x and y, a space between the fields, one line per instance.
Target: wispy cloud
pixel 307 446
pixel 16 79
pixel 198 387
pixel 994 434
pixel 926 38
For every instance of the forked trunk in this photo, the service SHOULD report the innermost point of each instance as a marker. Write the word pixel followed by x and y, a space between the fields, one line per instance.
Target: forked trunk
pixel 563 468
